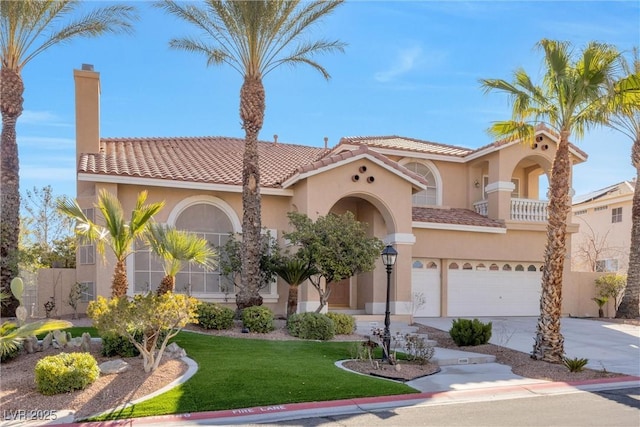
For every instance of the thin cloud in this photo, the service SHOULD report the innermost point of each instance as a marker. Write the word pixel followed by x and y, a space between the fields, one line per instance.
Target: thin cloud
pixel 405 62
pixel 41 118
pixel 46 143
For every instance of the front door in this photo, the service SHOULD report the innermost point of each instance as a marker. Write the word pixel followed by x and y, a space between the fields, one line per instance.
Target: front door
pixel 340 292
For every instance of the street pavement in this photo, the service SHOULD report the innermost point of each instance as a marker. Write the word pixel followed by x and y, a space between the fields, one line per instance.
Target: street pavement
pixel 464 376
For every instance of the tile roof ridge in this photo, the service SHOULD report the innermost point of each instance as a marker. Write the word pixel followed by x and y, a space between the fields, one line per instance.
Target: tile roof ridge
pixel 408 138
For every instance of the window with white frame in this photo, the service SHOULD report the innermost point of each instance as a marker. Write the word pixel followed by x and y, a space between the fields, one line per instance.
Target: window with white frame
pixel 88 291
pixel 428 197
pixel 607 265
pixel 87 252
pixel 616 215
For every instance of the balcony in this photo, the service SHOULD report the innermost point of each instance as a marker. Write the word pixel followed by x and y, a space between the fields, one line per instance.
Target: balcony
pixel 527 210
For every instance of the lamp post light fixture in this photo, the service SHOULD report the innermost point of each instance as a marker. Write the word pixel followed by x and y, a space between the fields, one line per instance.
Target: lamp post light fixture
pixel 389 256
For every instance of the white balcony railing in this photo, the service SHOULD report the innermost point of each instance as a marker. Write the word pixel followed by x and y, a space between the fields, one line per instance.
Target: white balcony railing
pixel 482 207
pixel 529 210
pixel 521 209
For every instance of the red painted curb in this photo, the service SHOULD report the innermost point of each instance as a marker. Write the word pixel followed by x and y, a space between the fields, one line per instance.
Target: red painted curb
pixel 292 407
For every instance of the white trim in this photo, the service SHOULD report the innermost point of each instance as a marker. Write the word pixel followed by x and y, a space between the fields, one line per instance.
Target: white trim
pixel 506 186
pixel 209 200
pixel 459 227
pixel 300 176
pixel 155 182
pixel 434 171
pixel 399 239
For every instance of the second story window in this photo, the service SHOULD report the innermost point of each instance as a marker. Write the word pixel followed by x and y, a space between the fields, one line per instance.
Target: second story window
pixel 428 197
pixel 616 215
pixel 87 253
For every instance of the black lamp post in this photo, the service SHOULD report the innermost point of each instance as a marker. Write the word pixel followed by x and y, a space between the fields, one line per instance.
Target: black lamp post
pixel 389 256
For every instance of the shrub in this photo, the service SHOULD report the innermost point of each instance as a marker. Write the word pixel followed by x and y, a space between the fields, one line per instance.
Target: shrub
pixel 418 348
pixel 345 324
pixel 215 316
pixel 470 332
pixel 258 319
pixel 311 326
pixel 575 364
pixel 65 372
pixel 118 345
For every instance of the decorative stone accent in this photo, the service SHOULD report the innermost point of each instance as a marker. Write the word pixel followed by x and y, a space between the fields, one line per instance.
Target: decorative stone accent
pixel 114 367
pixel 174 351
pixel 86 341
pixel 47 341
pixel 31 345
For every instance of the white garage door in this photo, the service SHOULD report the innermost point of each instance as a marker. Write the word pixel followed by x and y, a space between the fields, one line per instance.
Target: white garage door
pixel 493 289
pixel 425 288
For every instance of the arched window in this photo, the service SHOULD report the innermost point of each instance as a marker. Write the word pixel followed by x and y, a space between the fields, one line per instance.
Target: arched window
pixel 430 195
pixel 481 267
pixel 519 267
pixel 453 266
pixel 432 266
pixel 207 217
pixel 506 267
pixel 467 266
pixel 531 268
pixel 494 267
pixel 418 264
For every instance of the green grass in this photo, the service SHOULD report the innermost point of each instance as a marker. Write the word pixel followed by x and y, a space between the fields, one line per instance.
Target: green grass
pixel 241 373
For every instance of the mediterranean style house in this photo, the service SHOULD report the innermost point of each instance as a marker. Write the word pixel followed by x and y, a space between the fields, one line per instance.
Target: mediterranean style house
pixel 604 239
pixel 469 225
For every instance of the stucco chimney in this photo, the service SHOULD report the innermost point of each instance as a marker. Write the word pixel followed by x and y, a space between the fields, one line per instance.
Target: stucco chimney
pixel 87 84
pixel 326 142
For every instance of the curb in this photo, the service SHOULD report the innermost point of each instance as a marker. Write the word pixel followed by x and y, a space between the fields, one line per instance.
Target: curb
pixel 284 412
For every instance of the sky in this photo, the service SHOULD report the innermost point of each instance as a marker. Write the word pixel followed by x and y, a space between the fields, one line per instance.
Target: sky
pixel 411 68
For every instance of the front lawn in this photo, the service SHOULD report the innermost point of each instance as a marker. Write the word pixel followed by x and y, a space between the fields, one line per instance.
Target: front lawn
pixel 241 373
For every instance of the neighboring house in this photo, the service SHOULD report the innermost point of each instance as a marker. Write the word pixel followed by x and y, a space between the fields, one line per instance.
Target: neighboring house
pixel 469 224
pixel 604 239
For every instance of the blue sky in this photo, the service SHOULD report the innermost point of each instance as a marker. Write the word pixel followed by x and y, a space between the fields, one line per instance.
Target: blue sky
pixel 411 68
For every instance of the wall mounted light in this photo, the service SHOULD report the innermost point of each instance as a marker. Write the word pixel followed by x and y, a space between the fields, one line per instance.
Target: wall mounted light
pixel 476 183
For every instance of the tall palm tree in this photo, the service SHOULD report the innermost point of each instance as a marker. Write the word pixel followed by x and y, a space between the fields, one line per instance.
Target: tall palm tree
pixel 569 101
pixel 28 28
pixel 118 234
pixel 176 247
pixel 254 38
pixel 626 119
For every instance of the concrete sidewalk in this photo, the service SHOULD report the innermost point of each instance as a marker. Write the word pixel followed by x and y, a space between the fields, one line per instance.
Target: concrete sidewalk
pixel 611 346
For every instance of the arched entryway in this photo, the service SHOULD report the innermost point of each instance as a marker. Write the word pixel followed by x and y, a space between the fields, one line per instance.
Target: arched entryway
pixel 355 292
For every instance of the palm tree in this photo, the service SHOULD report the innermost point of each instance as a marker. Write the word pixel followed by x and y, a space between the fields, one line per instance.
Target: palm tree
pixel 626 119
pixel 569 101
pixel 294 271
pixel 175 247
pixel 254 38
pixel 117 233
pixel 28 28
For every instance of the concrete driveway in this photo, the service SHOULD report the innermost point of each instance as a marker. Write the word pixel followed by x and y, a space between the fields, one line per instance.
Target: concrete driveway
pixel 611 346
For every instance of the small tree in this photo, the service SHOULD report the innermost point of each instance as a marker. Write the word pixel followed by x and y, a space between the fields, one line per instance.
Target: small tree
pixel 336 246
pixel 294 271
pixel 610 287
pixel 75 296
pixel 152 314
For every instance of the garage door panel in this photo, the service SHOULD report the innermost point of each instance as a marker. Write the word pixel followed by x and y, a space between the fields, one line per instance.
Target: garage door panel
pixel 493 293
pixel 425 285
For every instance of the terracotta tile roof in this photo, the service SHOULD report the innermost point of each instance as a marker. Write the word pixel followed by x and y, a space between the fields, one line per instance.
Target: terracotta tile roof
pixel 454 216
pixel 215 160
pixel 408 144
pixel 337 157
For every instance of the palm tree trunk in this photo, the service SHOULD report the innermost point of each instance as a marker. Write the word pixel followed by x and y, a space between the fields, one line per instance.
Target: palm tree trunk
pixel 252 107
pixel 11 102
pixel 629 307
pixel 120 283
pixel 549 342
pixel 292 301
pixel 167 284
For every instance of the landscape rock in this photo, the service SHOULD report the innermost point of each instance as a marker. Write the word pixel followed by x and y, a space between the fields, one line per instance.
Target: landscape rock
pixel 114 367
pixel 31 345
pixel 174 351
pixel 86 341
pixel 47 341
